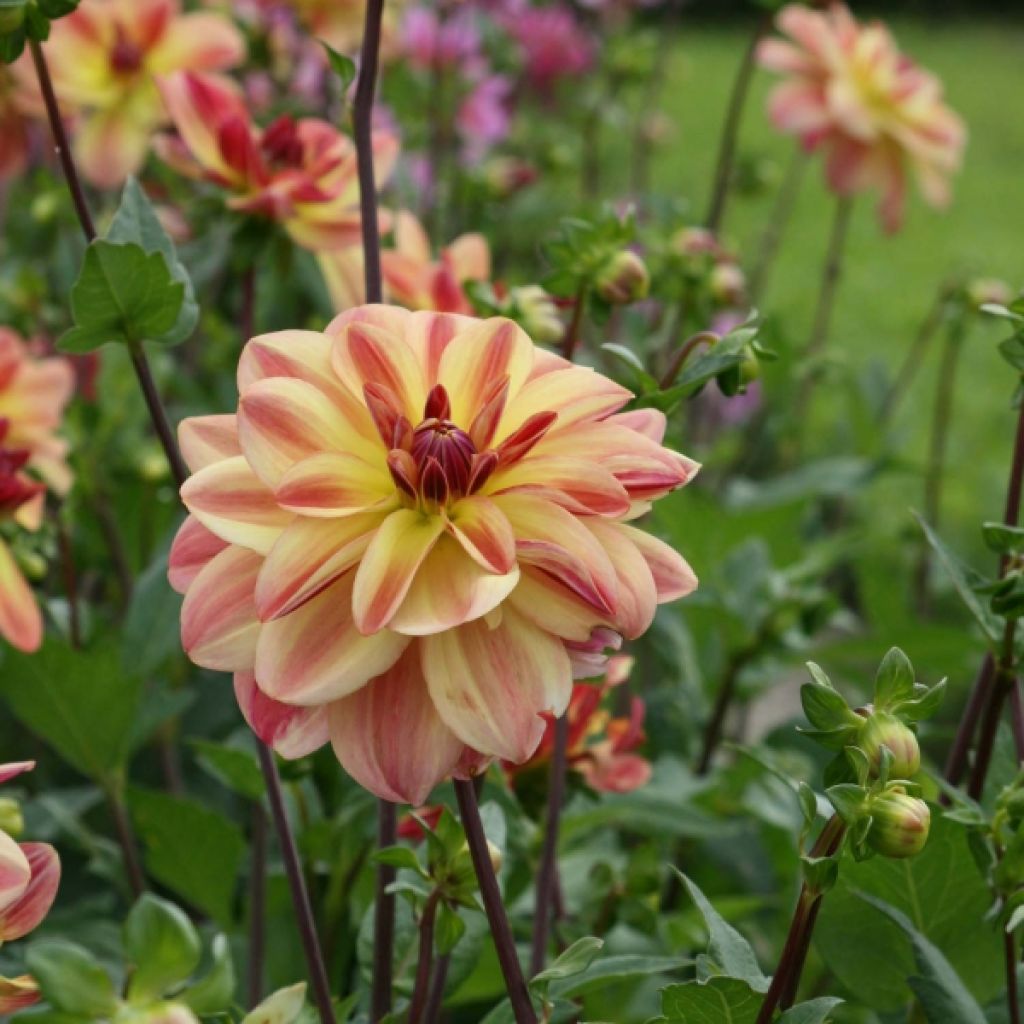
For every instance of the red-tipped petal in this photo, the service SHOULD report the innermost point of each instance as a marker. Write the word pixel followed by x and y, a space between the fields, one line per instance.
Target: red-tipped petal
pixel 194 546
pixel 293 732
pixel 27 912
pixel 485 532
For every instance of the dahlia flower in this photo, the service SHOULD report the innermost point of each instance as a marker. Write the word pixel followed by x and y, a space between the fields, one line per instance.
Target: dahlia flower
pixel 877 116
pixel 29 876
pixel 33 393
pixel 402 530
pixel 300 173
pixel 413 279
pixel 599 747
pixel 104 58
pixel 554 44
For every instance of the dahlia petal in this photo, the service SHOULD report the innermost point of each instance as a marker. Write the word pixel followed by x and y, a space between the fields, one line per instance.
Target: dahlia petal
pixel 309 556
pixel 580 485
pixel 429 334
pixel 334 484
pixel 491 685
pixel 673 577
pixel 292 732
pixel 485 533
pixel 389 565
pixel 110 145
pixel 480 356
pixel 14 769
pixel 219 626
pixel 344 275
pixel 15 873
pixel 315 654
pixel 194 545
pixel 283 420
pixel 201 42
pixel 232 502
pixel 637 594
pixel 614 773
pixel 553 607
pixel 390 738
pixel 204 440
pixel 799 108
pixel 18 993
pixel 21 623
pixel 450 588
pixel 27 912
pixel 652 423
pixel 391 319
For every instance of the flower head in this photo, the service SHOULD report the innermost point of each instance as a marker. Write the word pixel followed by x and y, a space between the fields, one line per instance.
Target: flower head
pixel 878 117
pixel 599 747
pixel 430 42
pixel 301 173
pixel 33 393
pixel 105 58
pixel 404 527
pixel 555 45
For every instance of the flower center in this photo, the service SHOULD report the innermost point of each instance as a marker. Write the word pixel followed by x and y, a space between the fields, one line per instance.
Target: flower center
pixel 444 457
pixel 281 143
pixel 126 56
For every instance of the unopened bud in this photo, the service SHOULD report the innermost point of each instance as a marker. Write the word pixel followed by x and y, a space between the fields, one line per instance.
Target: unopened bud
pixel 989 290
pixel 900 824
pixel 153 466
pixel 12 15
pixel 496 857
pixel 537 313
pixel 11 820
pixel 728 284
pixel 32 564
pixel 884 730
pixel 624 279
pixel 44 207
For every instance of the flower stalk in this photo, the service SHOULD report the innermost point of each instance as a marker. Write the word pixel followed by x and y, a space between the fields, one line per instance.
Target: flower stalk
pixel 572 334
pixel 384 914
pixel 518 994
pixel 257 904
pixel 420 992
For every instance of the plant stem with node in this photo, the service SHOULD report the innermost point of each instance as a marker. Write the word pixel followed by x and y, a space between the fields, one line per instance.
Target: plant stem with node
pixel 682 354
pixel 420 992
pixel 798 940
pixel 257 904
pixel 730 130
pixel 518 994
pixel 546 876
pixel 771 237
pixel 297 883
pixel 362 119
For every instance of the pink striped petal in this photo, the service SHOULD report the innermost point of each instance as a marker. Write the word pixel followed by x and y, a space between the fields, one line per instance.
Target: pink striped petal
pixel 14 769
pixel 21 623
pixel 205 440
pixel 193 547
pixel 202 41
pixel 290 731
pixel 232 502
pixel 391 561
pixel 637 595
pixel 389 737
pixel 553 607
pixel 218 618
pixel 429 334
pixel 18 993
pixel 15 873
pixel 491 684
pixel 309 556
pixel 450 588
pixel 391 319
pixel 651 423
pixel 579 485
pixel 485 532
pixel 673 577
pixel 335 484
pixel 27 912
pixel 315 654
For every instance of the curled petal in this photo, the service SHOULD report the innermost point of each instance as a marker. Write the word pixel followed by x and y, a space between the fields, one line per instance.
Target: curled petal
pixel 293 732
pixel 194 545
pixel 205 440
pixel 579 485
pixel 651 423
pixel 390 738
pixel 14 769
pixel 15 872
pixel 637 595
pixel 552 606
pixel 485 532
pixel 18 993
pixel 27 912
pixel 334 484
pixel 673 577
pixel 492 684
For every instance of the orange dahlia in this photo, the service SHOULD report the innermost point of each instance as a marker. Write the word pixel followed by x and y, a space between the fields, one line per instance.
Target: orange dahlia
pixel 407 531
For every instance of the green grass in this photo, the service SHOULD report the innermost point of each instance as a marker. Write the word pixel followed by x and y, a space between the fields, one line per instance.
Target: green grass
pixel 888 281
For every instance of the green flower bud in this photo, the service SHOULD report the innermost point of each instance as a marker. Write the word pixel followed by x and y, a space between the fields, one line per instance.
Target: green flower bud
pixel 12 15
pixel 11 820
pixel 623 279
pixel 900 823
pixel 728 284
pixel 537 313
pixel 152 465
pixel 881 729
pixel 984 291
pixel 32 564
pixel 496 858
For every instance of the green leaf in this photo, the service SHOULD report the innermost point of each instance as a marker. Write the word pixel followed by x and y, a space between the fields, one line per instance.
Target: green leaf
pixel 613 970
pixel 122 294
pixel 70 978
pixel 57 8
pixel 193 851
pixel 963 580
pixel 12 44
pixel 449 929
pixel 629 359
pixel 938 890
pixel 283 1007
pixel 717 1001
pixel 399 857
pixel 848 800
pixel 727 949
pixel 814 1011
pixel 894 680
pixel 162 946
pixel 236 768
pixel 81 702
pixel 1003 539
pixel 136 222
pixel 942 994
pixel 152 633
pixel 575 960
pixel 214 992
pixel 344 67
pixel 825 708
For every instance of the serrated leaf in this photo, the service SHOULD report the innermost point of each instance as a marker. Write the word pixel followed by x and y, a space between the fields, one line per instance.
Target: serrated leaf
pixel 717 1001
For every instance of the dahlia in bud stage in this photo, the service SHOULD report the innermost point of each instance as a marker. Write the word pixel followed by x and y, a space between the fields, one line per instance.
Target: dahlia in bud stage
pixel 880 730
pixel 899 823
pixel 623 279
pixel 405 527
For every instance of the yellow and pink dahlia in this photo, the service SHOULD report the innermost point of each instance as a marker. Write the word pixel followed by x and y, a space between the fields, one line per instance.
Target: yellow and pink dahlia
pixel 412 528
pixel 33 393
pixel 301 173
pixel 878 117
pixel 105 58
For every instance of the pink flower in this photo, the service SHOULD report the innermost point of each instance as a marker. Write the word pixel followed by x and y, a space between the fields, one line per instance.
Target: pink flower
pixel 300 173
pixel 407 522
pixel 483 118
pixel 879 118
pixel 430 43
pixel 554 44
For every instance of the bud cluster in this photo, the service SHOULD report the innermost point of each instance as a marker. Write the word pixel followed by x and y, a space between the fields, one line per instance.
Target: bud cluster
pixel 871 778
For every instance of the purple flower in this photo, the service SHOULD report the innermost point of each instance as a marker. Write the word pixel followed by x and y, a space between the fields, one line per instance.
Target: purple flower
pixel 555 45
pixel 484 118
pixel 429 42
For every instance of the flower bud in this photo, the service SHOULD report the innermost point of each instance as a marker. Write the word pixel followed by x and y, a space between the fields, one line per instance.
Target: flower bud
pixel 12 14
pixel 32 564
pixel 728 284
pixel 624 279
pixel 496 857
pixel 11 820
pixel 900 824
pixel 537 313
pixel 985 290
pixel 152 465
pixel 884 730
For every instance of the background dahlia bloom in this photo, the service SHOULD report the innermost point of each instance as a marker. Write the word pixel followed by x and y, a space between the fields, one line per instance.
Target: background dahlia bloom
pixel 14 139
pixel 104 58
pixel 403 527
pixel 414 279
pixel 301 173
pixel 877 116
pixel 599 746
pixel 33 393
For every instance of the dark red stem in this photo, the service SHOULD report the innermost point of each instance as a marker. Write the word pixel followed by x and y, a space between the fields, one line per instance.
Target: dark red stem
pixel 362 115
pixel 683 353
pixel 572 334
pixel 257 904
pixel 437 985
pixel 384 914
pixel 421 988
